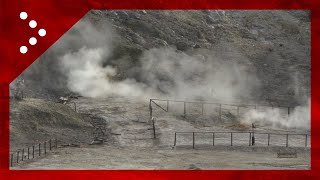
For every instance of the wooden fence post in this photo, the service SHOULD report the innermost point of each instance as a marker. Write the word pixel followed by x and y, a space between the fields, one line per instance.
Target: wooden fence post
pixel 50 144
pixel 306 141
pixel 250 139
pixel 213 139
pixel 184 109
pixel 11 160
pixel 22 154
pixel 28 152
pixel 167 105
pixel 253 142
pixel 18 156
pixel 32 151
pixel 175 139
pixel 154 129
pixel 231 138
pixel 150 109
pixel 268 139
pixel 193 140
pixel 39 149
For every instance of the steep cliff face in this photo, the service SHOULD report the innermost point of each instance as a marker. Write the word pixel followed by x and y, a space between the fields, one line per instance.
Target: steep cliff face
pixel 272 45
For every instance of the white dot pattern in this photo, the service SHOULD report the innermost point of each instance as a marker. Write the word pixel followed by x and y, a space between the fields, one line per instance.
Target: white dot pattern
pixel 23 15
pixel 32 41
pixel 42 32
pixel 33 23
pixel 23 49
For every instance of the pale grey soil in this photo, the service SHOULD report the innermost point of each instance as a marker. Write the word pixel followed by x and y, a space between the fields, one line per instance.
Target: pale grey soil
pixel 110 157
pixel 132 145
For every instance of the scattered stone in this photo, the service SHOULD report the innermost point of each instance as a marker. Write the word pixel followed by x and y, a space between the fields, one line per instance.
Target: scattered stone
pixel 194 167
pixel 196 46
pixel 70 145
pixel 96 142
pixel 63 100
pixel 287 153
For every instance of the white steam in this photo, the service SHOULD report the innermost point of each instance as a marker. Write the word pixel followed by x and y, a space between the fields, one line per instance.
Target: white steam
pixel 199 75
pixel 277 117
pixel 163 71
pixel 87 76
pixel 166 72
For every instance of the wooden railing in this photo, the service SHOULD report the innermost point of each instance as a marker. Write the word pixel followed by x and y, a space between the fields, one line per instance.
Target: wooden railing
pixel 251 138
pixel 31 152
pixel 220 105
pixel 166 108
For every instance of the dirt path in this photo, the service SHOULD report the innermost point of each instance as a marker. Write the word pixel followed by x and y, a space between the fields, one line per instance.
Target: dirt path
pixel 108 157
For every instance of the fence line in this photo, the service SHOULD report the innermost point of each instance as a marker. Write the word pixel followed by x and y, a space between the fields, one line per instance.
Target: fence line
pixel 250 133
pixel 31 154
pixel 238 106
pixel 166 109
pixel 216 103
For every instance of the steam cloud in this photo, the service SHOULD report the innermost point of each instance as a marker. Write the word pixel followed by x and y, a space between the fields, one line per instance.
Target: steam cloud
pixel 164 72
pixel 88 77
pixel 298 119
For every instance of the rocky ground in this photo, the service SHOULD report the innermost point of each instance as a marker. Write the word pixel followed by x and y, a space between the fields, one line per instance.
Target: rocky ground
pixel 131 145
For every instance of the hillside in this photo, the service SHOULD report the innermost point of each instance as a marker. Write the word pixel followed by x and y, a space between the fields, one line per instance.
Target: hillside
pixel 35 120
pixel 272 48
